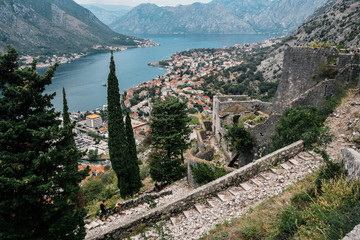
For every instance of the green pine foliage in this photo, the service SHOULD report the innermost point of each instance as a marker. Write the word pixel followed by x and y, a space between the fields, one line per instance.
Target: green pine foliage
pixel 121 152
pixel 170 135
pixel 39 177
pixel 240 139
pixel 163 168
pixel 65 114
pixel 117 143
pixel 203 173
pixel 134 181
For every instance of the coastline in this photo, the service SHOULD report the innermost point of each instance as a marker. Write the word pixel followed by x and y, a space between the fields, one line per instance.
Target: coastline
pixel 48 61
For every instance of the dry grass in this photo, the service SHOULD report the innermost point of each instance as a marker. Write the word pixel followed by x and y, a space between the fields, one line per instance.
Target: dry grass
pixel 258 221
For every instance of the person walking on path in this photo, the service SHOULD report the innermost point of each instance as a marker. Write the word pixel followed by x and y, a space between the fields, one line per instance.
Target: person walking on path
pixel 103 210
pixel 118 208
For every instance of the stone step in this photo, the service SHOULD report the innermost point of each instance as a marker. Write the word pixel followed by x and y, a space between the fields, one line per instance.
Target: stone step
pixel 285 166
pixel 267 175
pixel 276 171
pixel 212 203
pixel 188 213
pixel 294 162
pixel 224 196
pixel 305 156
pixel 236 191
pixel 111 218
pixel 200 207
pixel 245 186
pixel 175 220
pixel 92 225
pixel 100 222
pixel 256 181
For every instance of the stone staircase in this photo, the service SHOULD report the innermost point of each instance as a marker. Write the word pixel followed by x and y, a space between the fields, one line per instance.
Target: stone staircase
pixel 138 206
pixel 190 214
pixel 234 201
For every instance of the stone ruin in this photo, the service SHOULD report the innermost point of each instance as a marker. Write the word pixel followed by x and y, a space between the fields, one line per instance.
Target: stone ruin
pixel 310 76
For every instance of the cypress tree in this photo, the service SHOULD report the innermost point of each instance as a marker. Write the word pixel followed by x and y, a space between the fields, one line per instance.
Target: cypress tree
pixel 117 140
pixel 39 177
pixel 134 181
pixel 66 117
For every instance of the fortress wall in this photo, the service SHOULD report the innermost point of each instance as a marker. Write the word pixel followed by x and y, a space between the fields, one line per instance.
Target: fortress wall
pixel 308 78
pixel 185 202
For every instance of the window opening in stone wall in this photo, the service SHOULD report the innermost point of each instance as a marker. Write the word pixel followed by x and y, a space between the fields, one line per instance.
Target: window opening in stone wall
pixel 332 61
pixel 325 90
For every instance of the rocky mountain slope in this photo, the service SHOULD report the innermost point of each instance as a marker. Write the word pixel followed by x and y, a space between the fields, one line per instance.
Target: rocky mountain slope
pixel 107 13
pixel 218 16
pixel 336 22
pixel 53 26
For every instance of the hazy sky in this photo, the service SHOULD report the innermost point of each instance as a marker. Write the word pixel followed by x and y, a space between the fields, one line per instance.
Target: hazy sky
pixel 137 2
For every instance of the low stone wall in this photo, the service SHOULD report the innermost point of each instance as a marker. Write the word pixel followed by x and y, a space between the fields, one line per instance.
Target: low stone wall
pixel 207 155
pixel 131 203
pixel 351 159
pixel 185 202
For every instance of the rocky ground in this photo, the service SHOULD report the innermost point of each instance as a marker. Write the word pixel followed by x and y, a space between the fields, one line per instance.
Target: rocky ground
pixel 344 124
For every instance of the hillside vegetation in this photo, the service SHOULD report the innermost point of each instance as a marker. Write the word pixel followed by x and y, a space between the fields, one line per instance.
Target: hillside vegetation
pixel 38 27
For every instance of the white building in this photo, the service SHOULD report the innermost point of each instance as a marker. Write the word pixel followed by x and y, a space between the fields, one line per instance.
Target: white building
pixel 94 121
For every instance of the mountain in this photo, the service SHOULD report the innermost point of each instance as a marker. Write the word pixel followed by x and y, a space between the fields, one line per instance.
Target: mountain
pixel 218 16
pixel 38 27
pixel 336 22
pixel 107 13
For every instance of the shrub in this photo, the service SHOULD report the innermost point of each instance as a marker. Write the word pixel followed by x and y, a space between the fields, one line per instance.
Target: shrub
pixel 287 222
pixel 240 139
pixel 108 178
pixel 92 189
pixel 144 171
pixel 203 173
pixel 295 124
pixel 330 170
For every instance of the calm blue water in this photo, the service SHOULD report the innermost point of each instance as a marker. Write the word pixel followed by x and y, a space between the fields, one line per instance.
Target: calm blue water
pixel 82 78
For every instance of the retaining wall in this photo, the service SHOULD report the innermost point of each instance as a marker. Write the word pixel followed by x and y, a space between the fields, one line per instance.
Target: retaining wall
pixel 178 205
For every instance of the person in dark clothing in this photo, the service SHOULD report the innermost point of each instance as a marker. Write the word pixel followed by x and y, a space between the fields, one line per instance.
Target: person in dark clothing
pixel 103 210
pixel 156 188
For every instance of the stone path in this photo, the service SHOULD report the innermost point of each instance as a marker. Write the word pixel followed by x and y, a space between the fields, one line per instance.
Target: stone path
pixel 97 226
pixel 236 200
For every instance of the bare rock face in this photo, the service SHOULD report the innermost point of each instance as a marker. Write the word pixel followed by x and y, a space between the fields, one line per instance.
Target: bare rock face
pixel 218 16
pixel 336 23
pixel 53 26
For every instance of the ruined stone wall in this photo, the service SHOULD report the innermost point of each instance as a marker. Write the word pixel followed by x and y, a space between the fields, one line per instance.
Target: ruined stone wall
pixel 310 75
pixel 262 132
pixel 220 118
pixel 185 202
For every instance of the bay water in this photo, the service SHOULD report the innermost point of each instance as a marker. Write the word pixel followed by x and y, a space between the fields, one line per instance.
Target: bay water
pixel 83 78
